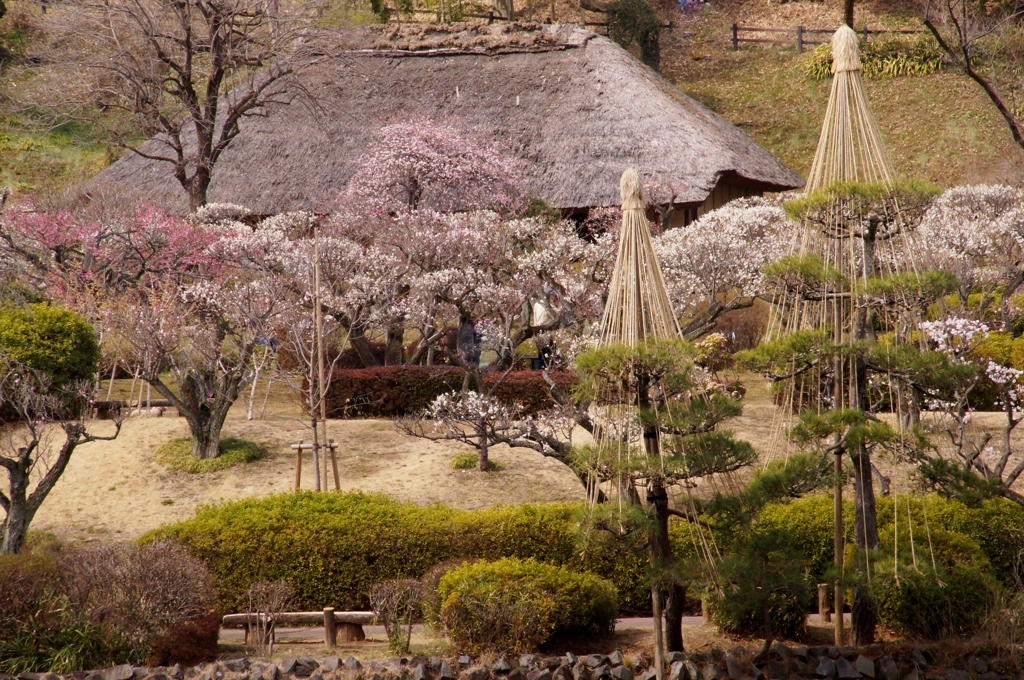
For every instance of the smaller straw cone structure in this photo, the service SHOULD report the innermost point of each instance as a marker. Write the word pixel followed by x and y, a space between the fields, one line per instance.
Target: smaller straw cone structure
pixel 850 148
pixel 638 306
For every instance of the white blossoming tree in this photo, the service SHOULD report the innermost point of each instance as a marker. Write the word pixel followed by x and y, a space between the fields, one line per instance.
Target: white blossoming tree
pixel 714 265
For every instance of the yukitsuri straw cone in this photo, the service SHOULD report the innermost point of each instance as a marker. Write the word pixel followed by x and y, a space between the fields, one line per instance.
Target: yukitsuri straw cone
pixel 638 306
pixel 850 148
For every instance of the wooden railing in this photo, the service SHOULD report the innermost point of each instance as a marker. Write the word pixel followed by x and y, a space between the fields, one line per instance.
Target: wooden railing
pixel 803 36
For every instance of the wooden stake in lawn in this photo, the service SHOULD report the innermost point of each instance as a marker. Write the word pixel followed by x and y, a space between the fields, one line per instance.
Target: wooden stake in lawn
pixel 321 373
pixel 638 308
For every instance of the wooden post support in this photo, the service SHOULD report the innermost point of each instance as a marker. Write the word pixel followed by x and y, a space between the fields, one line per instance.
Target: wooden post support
pixel 332 445
pixel 824 608
pixel 735 37
pixel 330 628
pixel 351 632
pixel 799 39
pixel 299 448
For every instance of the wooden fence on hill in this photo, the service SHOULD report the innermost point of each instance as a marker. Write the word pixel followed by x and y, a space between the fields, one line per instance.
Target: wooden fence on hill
pixel 803 36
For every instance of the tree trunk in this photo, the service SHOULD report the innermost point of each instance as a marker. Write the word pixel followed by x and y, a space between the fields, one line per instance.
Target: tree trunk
pixel 18 514
pixel 395 353
pixel 359 343
pixel 205 439
pixel 197 187
pixel 865 617
pixel 662 561
pixel 848 13
pixel 482 462
pixel 466 342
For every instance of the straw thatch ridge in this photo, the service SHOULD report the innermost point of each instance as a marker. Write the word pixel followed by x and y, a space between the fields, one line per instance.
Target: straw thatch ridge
pixel 573 105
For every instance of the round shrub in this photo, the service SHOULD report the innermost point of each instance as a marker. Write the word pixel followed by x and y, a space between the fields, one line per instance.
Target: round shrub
pixel 332 547
pixel 517 605
pixel 176 454
pixel 808 523
pixel 50 339
pixel 926 605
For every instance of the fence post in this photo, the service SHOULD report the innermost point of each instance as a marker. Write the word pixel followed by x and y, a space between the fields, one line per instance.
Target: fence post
pixel 824 610
pixel 330 628
pixel 735 37
pixel 800 39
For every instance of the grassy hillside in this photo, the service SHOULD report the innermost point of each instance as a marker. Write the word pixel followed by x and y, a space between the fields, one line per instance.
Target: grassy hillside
pixel 938 127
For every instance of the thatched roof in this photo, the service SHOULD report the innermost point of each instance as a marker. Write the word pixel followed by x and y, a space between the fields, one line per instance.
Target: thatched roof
pixel 574 105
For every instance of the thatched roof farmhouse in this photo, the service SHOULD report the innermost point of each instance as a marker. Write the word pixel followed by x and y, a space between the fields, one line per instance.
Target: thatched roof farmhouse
pixel 576 107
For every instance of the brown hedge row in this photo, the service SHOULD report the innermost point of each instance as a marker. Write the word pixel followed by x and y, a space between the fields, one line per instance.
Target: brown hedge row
pixel 395 391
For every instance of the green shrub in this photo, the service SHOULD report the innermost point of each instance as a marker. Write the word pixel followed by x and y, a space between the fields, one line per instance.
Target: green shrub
pixel 995 527
pixel 766 589
pixel 176 454
pixel 468 461
pixel 929 605
pixel 50 339
pixel 517 605
pixel 885 58
pixel 333 547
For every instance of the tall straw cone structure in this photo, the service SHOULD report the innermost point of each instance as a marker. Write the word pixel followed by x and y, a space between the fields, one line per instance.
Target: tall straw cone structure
pixel 638 306
pixel 850 148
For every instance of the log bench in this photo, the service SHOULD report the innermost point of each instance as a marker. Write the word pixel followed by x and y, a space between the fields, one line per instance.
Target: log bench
pixel 346 626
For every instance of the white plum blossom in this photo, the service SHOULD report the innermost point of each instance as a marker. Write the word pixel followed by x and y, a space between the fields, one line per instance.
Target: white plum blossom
pixel 954 335
pixel 720 257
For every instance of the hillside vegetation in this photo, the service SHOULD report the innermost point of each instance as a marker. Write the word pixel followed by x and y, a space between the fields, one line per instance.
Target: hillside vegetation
pixel 939 127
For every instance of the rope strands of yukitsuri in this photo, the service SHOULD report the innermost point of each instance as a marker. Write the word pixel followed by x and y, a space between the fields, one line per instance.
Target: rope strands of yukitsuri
pixel 638 306
pixel 850 149
pixel 637 309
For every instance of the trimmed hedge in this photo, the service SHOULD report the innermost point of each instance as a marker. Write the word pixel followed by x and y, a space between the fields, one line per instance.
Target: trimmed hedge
pixel 518 605
pixel 396 391
pixel 923 604
pixel 996 526
pixel 332 547
pixel 50 339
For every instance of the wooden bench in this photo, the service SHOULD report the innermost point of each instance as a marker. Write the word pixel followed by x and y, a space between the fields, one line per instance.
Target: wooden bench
pixel 346 626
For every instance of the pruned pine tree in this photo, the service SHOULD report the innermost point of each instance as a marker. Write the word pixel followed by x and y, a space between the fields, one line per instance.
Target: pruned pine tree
pixel 661 432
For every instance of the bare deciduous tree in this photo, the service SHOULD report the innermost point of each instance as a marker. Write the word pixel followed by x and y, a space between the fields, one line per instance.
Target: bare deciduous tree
pixel 186 71
pixel 984 41
pixel 30 449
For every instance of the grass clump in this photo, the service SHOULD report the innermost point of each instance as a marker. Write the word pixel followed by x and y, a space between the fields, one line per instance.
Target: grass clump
pixel 177 455
pixel 467 461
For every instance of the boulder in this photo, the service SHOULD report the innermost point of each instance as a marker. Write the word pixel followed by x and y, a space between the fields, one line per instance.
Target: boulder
pixel 621 673
pixel 580 672
pixel 865 665
pixel 780 650
pixel 976 665
pixel 478 673
pixel 616 658
pixel 465 660
pixel 677 671
pixel 846 670
pixel 826 668
pixel 673 657
pixel 733 667
pixel 332 663
pixel 527 660
pixel 237 665
pixel 445 672
pixel 887 669
pixel 563 672
pixel 956 674
pixel 352 663
pixel 501 665
pixel 305 665
pixel 912 675
pixel 594 660
pixel 516 674
pixel 710 672
pixel 287 665
pixel 420 672
pixel 540 674
pixel 777 670
pixel 602 672
pixel 122 672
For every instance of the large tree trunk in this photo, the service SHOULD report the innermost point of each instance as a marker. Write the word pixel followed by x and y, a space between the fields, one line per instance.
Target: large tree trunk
pixel 482 460
pixel 205 415
pixel 19 516
pixel 197 187
pixel 357 339
pixel 848 13
pixel 395 353
pixel 205 435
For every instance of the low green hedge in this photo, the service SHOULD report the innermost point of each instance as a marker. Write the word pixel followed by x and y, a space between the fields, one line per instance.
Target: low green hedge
pixel 176 454
pixel 514 605
pixel 927 605
pixel 331 547
pixel 995 527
